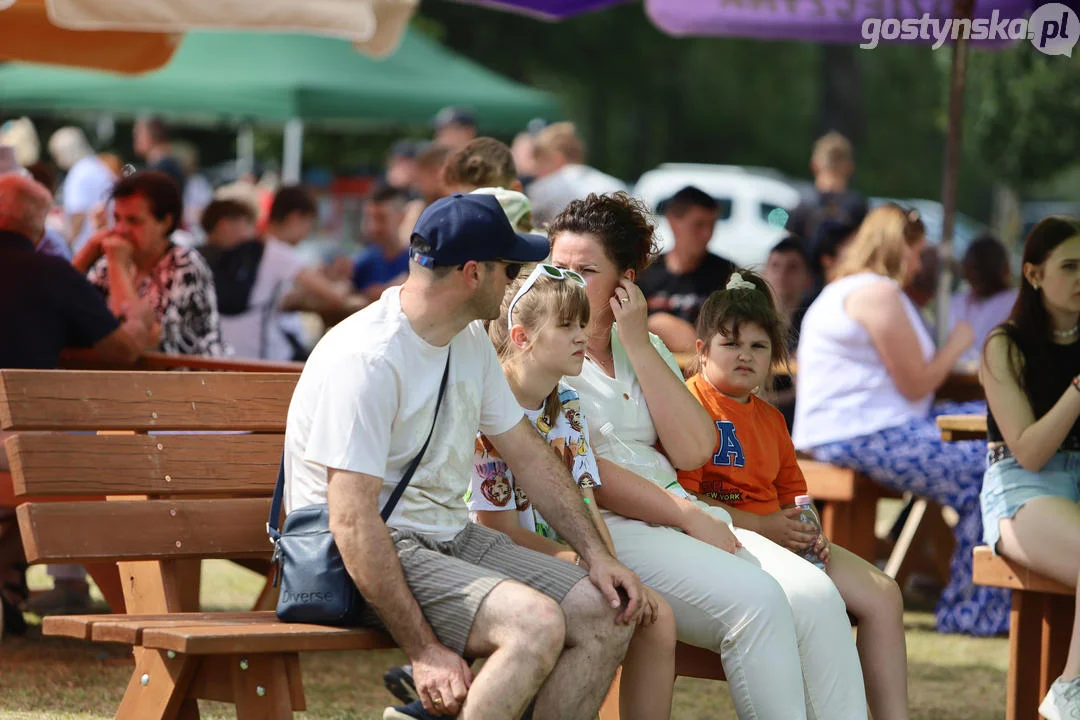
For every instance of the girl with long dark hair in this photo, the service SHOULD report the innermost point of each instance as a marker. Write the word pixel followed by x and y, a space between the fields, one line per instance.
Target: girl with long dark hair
pixel 1031 372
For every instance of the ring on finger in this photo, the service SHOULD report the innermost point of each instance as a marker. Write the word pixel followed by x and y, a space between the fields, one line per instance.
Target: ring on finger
pixel 436 700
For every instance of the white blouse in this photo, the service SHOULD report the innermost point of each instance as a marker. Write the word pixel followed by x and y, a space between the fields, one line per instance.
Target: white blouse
pixel 621 426
pixel 844 390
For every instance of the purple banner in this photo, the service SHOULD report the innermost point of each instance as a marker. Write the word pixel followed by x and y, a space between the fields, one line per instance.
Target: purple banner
pixel 840 21
pixel 546 9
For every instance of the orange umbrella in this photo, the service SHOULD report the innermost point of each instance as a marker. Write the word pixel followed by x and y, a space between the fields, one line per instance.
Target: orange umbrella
pixel 27 34
pixel 133 37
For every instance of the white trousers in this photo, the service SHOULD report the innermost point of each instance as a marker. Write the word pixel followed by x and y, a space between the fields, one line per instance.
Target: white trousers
pixel 777 622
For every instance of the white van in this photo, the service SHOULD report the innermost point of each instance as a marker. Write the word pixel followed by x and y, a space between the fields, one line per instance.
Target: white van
pixel 747 197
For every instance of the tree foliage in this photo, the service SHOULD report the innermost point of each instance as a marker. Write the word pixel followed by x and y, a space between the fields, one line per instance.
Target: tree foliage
pixel 642 97
pixel 1023 115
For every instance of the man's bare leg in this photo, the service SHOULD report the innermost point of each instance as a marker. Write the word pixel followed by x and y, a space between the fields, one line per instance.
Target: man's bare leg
pixel 521 631
pixel 595 645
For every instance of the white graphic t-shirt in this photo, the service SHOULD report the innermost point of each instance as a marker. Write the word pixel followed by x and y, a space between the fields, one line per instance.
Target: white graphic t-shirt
pixel 492 484
pixel 365 403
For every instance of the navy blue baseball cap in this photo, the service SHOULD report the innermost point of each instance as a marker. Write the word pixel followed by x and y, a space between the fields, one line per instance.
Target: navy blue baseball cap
pixel 459 228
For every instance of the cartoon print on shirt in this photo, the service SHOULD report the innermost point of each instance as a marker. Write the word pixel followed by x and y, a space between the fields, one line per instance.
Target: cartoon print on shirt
pixel 567 453
pixel 573 416
pixel 522 499
pixel 495 486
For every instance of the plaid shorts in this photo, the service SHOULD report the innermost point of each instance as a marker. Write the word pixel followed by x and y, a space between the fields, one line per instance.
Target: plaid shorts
pixel 451 578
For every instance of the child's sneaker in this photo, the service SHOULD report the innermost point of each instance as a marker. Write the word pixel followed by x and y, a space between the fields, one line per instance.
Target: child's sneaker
pixel 399 681
pixel 1063 700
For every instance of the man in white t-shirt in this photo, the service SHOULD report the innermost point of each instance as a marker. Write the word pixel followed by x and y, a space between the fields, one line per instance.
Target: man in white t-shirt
pixel 87 185
pixel 443 587
pixel 561 173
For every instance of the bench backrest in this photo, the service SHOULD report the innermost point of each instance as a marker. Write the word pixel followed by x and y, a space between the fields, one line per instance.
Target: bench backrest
pixel 144 495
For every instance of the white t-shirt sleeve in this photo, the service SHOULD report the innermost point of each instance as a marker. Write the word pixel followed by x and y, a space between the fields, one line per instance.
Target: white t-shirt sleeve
pixel 491 483
pixel 352 416
pixel 284 263
pixel 499 409
pixel 87 185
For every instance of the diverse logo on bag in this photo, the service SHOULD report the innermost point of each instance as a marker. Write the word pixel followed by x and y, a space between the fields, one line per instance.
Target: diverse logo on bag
pixel 316 596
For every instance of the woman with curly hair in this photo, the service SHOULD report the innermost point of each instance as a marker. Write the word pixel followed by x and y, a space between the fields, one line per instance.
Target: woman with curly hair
pixel 777 622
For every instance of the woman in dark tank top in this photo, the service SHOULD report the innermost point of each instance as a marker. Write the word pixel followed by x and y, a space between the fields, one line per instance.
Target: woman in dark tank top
pixel 1031 372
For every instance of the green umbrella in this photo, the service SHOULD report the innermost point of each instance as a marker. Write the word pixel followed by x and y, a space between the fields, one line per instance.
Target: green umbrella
pixel 277 77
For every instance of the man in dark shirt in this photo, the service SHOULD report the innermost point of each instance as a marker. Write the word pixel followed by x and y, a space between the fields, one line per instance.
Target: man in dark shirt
pixel 832 164
pixel 677 284
pixel 150 136
pixel 46 305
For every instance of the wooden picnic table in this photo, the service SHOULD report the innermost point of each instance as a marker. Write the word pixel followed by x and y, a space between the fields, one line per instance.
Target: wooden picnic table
pixel 962 427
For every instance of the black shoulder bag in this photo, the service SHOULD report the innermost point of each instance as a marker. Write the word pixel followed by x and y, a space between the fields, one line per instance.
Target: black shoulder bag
pixel 315 586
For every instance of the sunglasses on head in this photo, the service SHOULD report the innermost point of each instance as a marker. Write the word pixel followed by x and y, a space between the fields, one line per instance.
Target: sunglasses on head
pixel 541 270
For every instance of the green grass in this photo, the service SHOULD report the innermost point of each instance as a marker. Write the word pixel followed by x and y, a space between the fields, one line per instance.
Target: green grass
pixel 952 678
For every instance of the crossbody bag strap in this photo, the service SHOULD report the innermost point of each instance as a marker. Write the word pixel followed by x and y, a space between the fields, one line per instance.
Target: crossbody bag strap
pixel 273 523
pixel 392 502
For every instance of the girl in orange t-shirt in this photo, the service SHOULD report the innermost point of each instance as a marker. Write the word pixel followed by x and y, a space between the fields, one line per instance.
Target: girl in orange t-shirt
pixel 754 475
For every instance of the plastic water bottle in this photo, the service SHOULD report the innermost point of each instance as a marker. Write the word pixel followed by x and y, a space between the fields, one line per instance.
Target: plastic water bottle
pixel 809 516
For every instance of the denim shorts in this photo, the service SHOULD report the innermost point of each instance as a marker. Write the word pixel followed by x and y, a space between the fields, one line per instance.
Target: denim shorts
pixel 1007 487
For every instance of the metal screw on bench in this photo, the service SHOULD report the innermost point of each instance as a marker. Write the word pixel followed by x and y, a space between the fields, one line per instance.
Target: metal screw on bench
pixel 149 394
pixel 145 679
pixel 260 690
pixel 178 543
pixel 243 663
pixel 171 653
pixel 153 415
pixel 172 512
pixel 168 478
pixel 160 446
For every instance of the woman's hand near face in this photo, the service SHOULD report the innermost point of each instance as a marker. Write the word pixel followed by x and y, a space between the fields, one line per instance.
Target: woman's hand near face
pixel 116 248
pixel 631 313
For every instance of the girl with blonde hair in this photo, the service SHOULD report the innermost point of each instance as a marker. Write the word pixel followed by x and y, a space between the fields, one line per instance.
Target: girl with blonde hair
pixel 540 337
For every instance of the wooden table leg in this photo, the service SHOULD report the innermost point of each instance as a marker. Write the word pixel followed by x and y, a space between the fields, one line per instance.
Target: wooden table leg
pixel 158 686
pixel 863 540
pixel 837 521
pixel 107 578
pixel 1058 612
pixel 1025 640
pixel 261 688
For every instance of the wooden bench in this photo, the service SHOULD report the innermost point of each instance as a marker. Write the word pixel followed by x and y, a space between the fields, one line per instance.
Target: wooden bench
pixel 1042 613
pixel 1042 609
pixel 955 428
pixel 173 500
pixel 848 505
pixel 105 574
